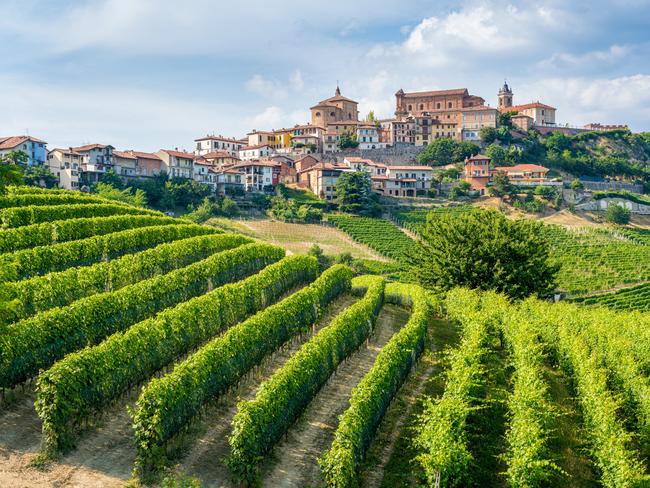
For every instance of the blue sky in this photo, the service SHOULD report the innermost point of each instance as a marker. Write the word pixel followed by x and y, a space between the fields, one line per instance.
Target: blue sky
pixel 148 74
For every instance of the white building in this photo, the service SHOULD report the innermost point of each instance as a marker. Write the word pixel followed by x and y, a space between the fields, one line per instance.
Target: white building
pixel 368 137
pixel 212 143
pixel 177 164
pixel 259 151
pixel 259 175
pixel 403 181
pixel 97 159
pixel 65 164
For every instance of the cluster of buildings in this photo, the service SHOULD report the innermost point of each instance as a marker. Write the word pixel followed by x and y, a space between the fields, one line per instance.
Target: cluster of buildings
pixel 263 158
pixel 479 174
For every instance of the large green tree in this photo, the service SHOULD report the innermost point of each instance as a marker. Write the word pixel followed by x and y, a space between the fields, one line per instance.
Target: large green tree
pixel 354 194
pixel 439 152
pixel 39 175
pixel 11 171
pixel 348 140
pixel 483 249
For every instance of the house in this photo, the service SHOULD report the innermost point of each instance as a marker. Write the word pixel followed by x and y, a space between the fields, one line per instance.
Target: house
pixel 526 174
pixel 399 131
pixel 403 181
pixel 522 122
pixel 542 114
pixel 368 136
pixel 321 179
pixel 364 164
pixel 201 173
pixel 228 181
pixel 219 158
pixel 177 164
pixel 211 143
pixel 477 172
pixel 259 175
pixel 429 127
pixel 97 159
pixel 247 153
pixel 125 163
pixel 307 136
pixel 34 148
pixel 147 164
pixel 276 139
pixel 473 119
pixel 305 162
pixel 65 164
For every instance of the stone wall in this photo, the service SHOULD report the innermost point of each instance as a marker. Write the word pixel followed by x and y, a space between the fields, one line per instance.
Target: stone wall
pixel 391 155
pixel 612 185
pixel 603 203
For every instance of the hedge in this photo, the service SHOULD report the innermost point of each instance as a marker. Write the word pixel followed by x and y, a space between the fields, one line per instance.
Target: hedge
pixel 88 380
pixel 167 404
pixel 260 423
pixel 37 342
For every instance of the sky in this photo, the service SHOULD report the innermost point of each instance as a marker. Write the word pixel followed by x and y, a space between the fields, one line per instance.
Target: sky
pixel 152 74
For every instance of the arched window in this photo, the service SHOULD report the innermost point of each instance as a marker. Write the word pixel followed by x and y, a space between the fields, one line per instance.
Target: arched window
pixel 421 106
pixel 449 104
pixel 349 116
pixel 332 114
pixel 317 114
pixel 410 107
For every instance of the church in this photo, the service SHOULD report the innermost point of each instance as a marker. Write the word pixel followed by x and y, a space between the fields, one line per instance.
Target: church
pixel 528 115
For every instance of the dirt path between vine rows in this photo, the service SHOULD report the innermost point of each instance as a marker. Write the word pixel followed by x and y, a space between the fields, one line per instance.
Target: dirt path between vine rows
pixel 294 462
pixel 103 459
pixel 203 452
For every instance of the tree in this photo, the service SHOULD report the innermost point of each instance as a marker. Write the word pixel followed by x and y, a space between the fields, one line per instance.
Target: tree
pixel 546 192
pixel 39 175
pixel 112 178
pixel 497 154
pixel 372 119
pixel 488 135
pixel 439 152
pixel 354 194
pixel 576 184
pixel 229 207
pixel 324 262
pixel 616 214
pixel 460 190
pixel 348 140
pixel 464 150
pixel 106 190
pixel 11 171
pixel 483 249
pixel 501 186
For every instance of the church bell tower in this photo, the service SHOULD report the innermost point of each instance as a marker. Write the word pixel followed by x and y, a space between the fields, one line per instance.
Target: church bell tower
pixel 505 96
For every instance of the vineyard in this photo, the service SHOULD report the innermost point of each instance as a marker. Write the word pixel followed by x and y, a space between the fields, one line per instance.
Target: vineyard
pixel 134 345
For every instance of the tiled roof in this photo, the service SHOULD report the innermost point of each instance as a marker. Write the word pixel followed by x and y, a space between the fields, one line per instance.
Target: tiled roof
pixel 478 157
pixel 217 138
pixel 65 151
pixel 337 98
pixel 124 155
pixel 433 93
pixel 526 106
pixel 329 166
pixel 410 168
pixel 179 154
pixel 13 141
pixel 522 167
pixel 257 146
pixel 90 147
pixel 218 154
pixel 477 108
pixel 265 163
pixel 144 155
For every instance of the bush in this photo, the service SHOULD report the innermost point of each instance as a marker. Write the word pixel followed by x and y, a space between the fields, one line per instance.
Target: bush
pixel 483 249
pixel 616 214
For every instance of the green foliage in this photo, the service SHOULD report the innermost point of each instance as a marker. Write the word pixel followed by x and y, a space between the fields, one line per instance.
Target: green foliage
pixel 33 214
pixel 485 250
pixel 465 149
pixel 136 198
pixel 11 172
pixel 462 189
pixel 372 396
pixel 39 175
pixel 488 135
pixel 221 363
pixel 57 257
pixel 442 443
pixel 260 423
pixel 498 154
pixel 378 234
pixel 439 152
pixel 59 289
pixel 37 342
pixel 354 194
pixel 501 186
pixel 348 140
pixel 632 298
pixel 48 199
pixel 287 210
pixel 626 195
pixel 617 214
pixel 111 179
pixel 229 207
pixel 324 261
pixel 100 373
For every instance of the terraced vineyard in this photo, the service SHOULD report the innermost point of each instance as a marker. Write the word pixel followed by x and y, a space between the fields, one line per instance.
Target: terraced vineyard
pixel 413 220
pixel 632 298
pixel 378 234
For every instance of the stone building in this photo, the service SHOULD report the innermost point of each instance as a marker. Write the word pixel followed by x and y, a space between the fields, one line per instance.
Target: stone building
pixel 542 114
pixel 334 109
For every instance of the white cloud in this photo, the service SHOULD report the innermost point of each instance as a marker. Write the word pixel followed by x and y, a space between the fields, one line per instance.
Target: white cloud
pixel 295 80
pixel 275 117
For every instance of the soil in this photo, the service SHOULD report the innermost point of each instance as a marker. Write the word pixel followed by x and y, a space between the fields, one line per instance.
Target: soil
pixel 294 463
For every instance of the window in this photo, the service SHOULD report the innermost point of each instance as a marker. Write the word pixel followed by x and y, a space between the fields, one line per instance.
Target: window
pixel 449 104
pixel 421 106
pixel 437 105
pixel 332 114
pixel 317 114
pixel 410 107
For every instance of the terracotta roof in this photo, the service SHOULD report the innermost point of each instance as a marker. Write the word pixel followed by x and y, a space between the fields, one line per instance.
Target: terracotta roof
pixel 217 138
pixel 13 141
pixel 310 136
pixel 356 159
pixel 337 98
pixel 257 146
pixel 329 166
pixel 455 91
pixel 522 167
pixel 478 157
pixel 323 104
pixel 477 108
pixel 145 155
pixel 124 155
pixel 254 162
pixel 379 177
pixel 525 106
pixel 410 168
pixel 179 154
pixel 65 151
pixel 218 154
pixel 307 126
pixel 90 147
